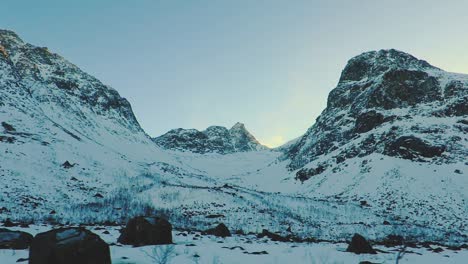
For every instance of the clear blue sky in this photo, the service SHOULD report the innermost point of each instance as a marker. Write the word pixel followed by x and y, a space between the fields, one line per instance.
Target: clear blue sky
pixel 269 64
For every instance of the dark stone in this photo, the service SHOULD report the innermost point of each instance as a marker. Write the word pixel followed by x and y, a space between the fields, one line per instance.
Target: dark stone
pixel 368 121
pixel 98 195
pixel 386 222
pixel 22 260
pixel 393 241
pixel 359 245
pixel 67 165
pixel 14 239
pixel 69 246
pixel 52 212
pixel 220 230
pixel 9 223
pixel 273 236
pixel 141 231
pixel 305 174
pixel 412 148
pixel 8 127
pixel 214 216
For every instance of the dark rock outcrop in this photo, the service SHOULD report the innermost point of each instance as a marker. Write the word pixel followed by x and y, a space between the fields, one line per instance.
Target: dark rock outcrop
pixel 359 245
pixel 141 231
pixel 413 148
pixel 69 246
pixel 220 230
pixel 305 174
pixel 14 239
pixel 273 236
pixel 368 121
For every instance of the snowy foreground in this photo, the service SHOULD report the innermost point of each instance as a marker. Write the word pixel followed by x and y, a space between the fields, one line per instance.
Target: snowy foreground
pixel 192 247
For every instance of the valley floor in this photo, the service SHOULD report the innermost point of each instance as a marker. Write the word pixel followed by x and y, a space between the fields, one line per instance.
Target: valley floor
pixel 192 247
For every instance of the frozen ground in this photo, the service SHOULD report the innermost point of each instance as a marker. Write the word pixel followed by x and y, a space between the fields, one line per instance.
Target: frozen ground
pixel 191 247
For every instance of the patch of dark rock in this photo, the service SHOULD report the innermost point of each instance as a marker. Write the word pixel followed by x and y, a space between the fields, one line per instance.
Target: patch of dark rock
pixel 69 246
pixel 141 231
pixel 239 232
pixel 402 88
pixel 305 174
pixel 463 121
pixel 437 249
pixel 9 223
pixel 190 245
pixel 235 247
pixel 359 245
pixel 368 121
pixel 14 239
pixel 65 84
pixel 458 171
pixel 263 252
pixel 106 232
pixel 220 230
pixel 413 148
pixel 52 212
pixel 7 139
pixel 272 236
pixel 386 222
pixel 98 195
pixel 364 203
pixel 8 127
pixel 214 216
pixel 67 165
pixel 22 260
pixel 457 108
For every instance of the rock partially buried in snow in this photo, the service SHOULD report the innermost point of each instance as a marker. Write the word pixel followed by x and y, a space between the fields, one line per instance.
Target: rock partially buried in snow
pixel 14 239
pixel 69 246
pixel 220 230
pixel 142 231
pixel 359 245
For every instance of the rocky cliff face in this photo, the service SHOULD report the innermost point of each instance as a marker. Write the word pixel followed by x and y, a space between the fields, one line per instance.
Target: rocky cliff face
pixel 391 103
pixel 215 139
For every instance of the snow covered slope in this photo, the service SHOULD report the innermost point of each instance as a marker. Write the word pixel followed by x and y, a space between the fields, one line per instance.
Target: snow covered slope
pixel 215 139
pixel 386 156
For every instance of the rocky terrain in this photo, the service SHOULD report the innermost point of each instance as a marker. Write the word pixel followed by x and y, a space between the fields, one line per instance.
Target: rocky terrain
pixel 214 139
pixel 386 157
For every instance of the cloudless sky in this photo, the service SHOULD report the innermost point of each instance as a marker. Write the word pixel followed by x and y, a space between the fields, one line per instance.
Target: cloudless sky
pixel 269 64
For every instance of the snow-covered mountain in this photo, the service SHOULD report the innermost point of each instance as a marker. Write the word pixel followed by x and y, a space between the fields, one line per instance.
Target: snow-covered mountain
pixel 215 139
pixel 387 155
pixel 391 103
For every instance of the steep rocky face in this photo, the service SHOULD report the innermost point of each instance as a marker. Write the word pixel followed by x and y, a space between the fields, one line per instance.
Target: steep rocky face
pixel 50 79
pixel 215 139
pixel 58 122
pixel 391 103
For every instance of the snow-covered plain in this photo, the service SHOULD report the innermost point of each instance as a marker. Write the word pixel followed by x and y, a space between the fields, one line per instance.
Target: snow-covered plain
pixel 192 247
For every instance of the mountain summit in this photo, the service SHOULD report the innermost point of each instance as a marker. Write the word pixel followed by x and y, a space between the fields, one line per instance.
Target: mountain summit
pixel 216 139
pixel 388 102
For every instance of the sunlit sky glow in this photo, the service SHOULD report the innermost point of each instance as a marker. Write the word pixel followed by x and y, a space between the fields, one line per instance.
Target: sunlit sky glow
pixel 268 64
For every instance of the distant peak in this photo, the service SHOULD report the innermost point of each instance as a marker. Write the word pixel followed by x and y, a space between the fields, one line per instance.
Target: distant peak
pixel 8 35
pixel 373 63
pixel 238 126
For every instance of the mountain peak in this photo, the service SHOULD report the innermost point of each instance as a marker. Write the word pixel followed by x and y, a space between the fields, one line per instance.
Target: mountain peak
pixel 238 126
pixel 216 139
pixel 373 63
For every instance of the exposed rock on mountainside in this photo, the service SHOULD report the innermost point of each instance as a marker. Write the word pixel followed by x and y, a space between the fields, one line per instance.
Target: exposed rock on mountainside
pixel 216 139
pixel 388 102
